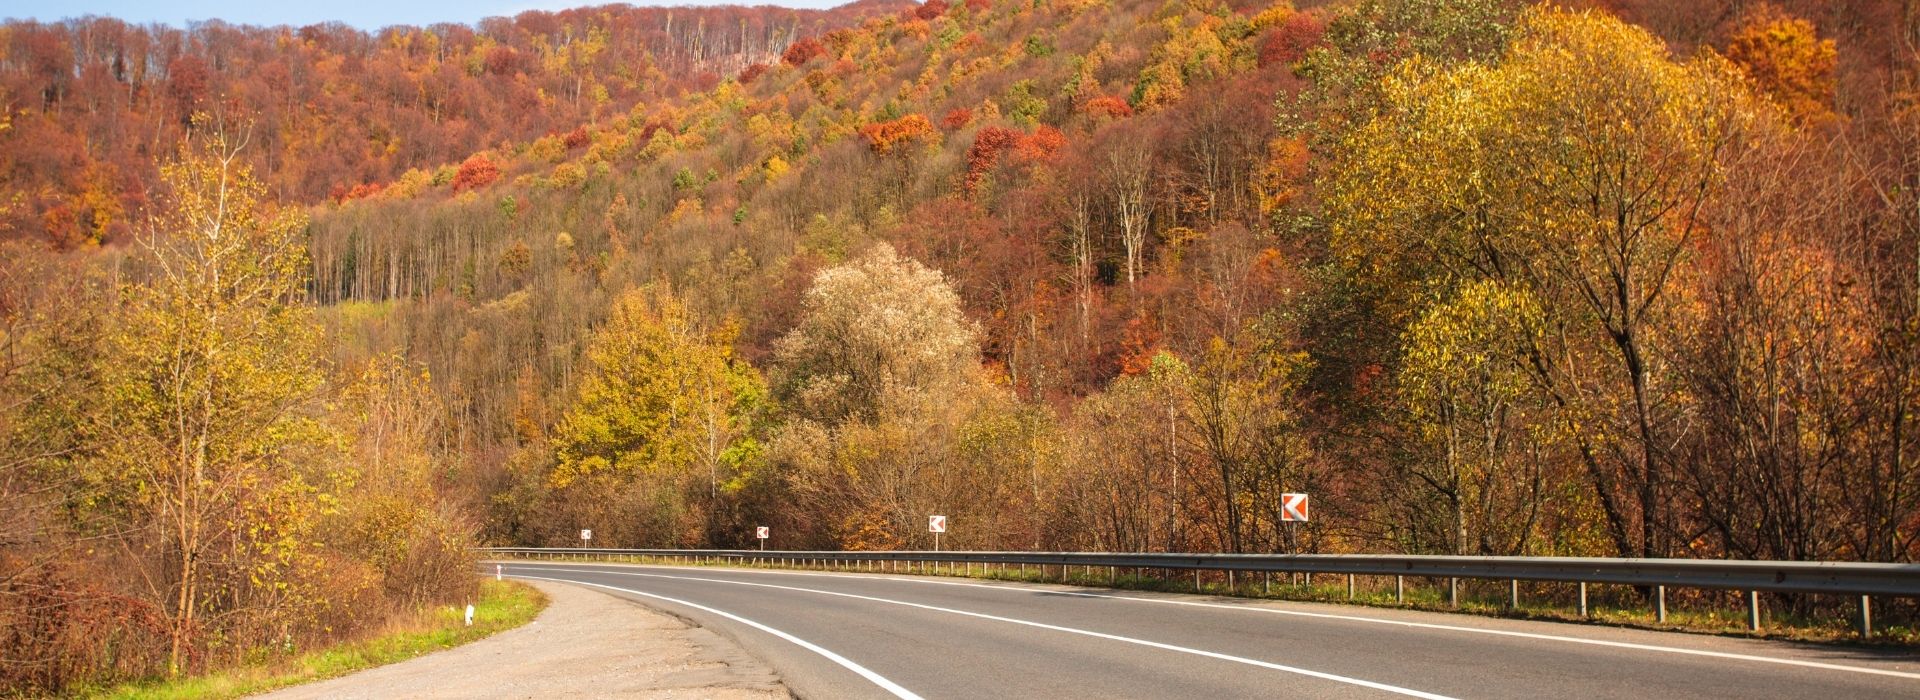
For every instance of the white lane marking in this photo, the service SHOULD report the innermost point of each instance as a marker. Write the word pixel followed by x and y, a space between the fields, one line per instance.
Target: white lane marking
pixel 968 613
pixel 1476 630
pixel 844 662
pixel 1380 621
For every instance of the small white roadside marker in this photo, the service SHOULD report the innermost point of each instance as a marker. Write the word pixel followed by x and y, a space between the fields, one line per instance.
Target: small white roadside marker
pixel 496 572
pixel 469 615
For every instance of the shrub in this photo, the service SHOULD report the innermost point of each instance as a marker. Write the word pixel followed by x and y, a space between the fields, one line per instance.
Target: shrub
pixel 802 51
pixel 478 171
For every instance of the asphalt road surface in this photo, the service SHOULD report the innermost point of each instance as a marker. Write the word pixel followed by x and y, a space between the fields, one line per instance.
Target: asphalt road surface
pixel 851 635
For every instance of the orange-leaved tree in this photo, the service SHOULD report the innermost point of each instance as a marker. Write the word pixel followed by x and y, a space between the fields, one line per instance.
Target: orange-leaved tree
pixel 1786 58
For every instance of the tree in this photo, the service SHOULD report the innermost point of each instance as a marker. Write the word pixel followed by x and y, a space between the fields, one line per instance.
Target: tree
pixel 209 375
pixel 396 517
pixel 1469 394
pixel 888 136
pixel 1786 58
pixel 1368 40
pixel 802 51
pixel 665 405
pixel 1778 349
pixel 888 414
pixel 1129 453
pixel 879 326
pixel 1576 168
pixel 1242 396
pixel 1125 167
pixel 475 172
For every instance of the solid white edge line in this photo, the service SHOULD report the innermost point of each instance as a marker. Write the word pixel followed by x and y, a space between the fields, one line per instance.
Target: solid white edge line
pixel 1041 625
pixel 844 662
pixel 1453 628
pixel 1355 618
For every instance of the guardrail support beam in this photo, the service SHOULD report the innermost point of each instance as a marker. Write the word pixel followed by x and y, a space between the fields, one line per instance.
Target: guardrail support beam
pixel 1583 598
pixel 1866 617
pixel 1660 604
pixel 1753 611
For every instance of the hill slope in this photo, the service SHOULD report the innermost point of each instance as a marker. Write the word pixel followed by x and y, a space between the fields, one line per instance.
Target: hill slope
pixel 91 103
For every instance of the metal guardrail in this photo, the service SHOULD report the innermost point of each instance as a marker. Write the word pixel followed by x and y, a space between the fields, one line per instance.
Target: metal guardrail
pixel 1860 581
pixel 1831 578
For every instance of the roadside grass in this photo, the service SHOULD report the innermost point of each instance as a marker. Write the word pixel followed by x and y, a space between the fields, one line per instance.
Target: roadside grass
pixel 1618 606
pixel 503 605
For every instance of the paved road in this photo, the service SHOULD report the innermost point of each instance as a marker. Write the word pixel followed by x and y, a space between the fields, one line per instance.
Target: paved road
pixel 846 635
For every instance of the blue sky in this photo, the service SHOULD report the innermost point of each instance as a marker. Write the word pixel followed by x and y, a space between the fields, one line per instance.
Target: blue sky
pixel 359 13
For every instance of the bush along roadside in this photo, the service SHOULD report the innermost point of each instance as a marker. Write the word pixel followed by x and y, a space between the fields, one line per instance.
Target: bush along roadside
pixel 502 605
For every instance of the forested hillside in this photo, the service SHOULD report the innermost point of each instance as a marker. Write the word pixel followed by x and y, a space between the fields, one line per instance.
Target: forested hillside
pixel 93 103
pixel 1489 279
pixel 1573 279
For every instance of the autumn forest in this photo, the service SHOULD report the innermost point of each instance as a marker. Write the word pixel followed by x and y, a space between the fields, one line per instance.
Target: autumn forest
pixel 293 317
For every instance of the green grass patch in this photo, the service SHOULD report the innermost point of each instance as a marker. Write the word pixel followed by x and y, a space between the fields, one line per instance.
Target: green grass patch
pixel 503 605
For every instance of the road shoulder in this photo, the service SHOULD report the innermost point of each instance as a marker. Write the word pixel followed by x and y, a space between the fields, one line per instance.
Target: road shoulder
pixel 585 644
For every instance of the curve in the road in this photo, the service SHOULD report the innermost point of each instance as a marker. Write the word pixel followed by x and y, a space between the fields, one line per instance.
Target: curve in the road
pixel 997 618
pixel 828 654
pixel 925 644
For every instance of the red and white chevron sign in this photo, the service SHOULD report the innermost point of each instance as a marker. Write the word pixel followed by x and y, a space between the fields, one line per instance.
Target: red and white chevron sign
pixel 1293 507
pixel 761 532
pixel 936 523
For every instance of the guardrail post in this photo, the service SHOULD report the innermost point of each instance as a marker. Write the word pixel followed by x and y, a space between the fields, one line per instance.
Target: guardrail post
pixel 1660 604
pixel 1453 591
pixel 1866 617
pixel 1349 586
pixel 1229 581
pixel 1400 590
pixel 1513 594
pixel 1753 611
pixel 1583 598
pixel 1196 580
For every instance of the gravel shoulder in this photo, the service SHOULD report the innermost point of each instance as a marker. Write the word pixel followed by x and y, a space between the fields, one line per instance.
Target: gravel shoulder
pixel 585 644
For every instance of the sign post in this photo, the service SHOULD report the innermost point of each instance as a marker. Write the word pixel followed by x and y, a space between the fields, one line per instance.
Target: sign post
pixel 761 533
pixel 1293 509
pixel 936 524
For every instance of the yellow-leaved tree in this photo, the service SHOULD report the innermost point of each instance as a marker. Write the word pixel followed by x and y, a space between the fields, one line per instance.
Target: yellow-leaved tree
pixel 1574 168
pixel 1469 395
pixel 664 421
pixel 206 437
pixel 1786 58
